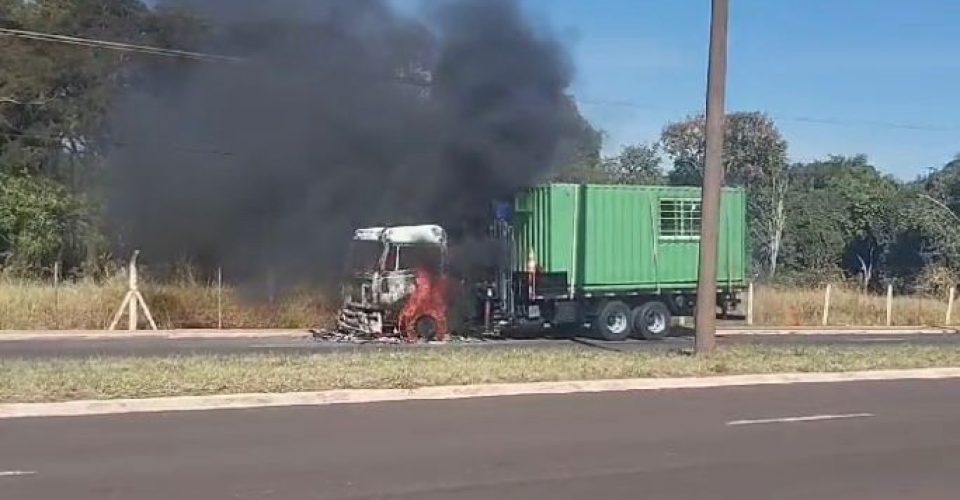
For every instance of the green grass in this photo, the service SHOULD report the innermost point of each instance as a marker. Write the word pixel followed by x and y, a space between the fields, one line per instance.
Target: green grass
pixel 109 378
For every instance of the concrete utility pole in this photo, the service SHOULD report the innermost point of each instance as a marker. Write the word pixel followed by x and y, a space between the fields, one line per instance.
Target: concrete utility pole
pixel 706 313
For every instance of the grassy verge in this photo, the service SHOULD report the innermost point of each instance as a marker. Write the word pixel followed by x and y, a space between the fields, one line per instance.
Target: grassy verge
pixel 109 378
pixel 87 305
pixel 804 307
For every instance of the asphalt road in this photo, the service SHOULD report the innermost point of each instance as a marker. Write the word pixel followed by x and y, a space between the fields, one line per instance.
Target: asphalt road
pixel 892 440
pixel 164 347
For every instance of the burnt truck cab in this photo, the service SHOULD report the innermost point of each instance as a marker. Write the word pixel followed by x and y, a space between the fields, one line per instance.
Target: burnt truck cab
pixel 382 276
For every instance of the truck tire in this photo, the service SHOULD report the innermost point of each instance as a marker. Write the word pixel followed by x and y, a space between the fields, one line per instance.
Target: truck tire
pixel 651 320
pixel 426 328
pixel 613 322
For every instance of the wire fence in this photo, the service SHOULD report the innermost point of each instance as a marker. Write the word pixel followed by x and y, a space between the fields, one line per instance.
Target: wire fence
pixel 842 305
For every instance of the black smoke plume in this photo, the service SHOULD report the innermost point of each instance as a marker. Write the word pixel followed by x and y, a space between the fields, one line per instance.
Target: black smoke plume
pixel 341 114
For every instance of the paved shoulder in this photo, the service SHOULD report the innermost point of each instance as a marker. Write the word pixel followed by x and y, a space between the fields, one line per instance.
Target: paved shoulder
pixel 288 344
pixel 876 440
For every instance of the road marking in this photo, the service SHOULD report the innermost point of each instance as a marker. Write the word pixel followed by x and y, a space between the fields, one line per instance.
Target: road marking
pixel 811 418
pixel 15 473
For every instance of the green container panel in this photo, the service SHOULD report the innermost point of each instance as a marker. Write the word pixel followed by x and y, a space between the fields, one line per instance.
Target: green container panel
pixel 616 238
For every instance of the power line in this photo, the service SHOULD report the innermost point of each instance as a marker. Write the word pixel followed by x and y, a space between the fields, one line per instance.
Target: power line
pixel 870 123
pixel 420 82
pixel 403 78
pixel 792 118
pixel 106 44
pixel 35 102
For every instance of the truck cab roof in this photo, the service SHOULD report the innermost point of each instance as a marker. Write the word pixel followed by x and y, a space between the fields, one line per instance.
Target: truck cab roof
pixel 403 235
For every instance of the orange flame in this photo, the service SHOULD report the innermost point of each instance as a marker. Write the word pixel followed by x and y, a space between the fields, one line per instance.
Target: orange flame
pixel 427 301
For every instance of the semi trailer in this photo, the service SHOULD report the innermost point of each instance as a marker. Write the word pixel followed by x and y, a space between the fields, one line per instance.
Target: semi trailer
pixel 620 259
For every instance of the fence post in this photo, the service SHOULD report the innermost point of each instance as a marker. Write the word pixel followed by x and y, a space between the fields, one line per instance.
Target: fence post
pixel 920 309
pixel 132 300
pixel 132 305
pixel 56 294
pixel 219 298
pixel 953 292
pixel 826 305
pixel 750 304
pixel 889 305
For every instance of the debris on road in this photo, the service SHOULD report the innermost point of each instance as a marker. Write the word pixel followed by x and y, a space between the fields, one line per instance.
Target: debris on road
pixel 336 336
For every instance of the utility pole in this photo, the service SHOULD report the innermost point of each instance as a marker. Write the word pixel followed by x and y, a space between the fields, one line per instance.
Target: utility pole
pixel 706 312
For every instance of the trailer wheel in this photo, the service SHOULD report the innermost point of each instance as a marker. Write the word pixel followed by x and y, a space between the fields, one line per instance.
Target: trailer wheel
pixel 613 322
pixel 651 320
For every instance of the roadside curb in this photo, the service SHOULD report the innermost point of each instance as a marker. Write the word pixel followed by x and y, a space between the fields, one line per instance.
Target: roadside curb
pixel 334 397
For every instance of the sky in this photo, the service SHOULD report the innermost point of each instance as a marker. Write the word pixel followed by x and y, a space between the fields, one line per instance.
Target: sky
pixel 874 77
pixel 877 77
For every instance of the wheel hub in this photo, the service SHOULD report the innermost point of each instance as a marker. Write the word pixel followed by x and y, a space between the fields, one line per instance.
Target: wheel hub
pixel 655 322
pixel 617 323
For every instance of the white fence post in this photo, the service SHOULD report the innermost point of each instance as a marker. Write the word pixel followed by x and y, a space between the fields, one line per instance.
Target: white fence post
pixel 826 305
pixel 132 300
pixel 219 298
pixel 953 292
pixel 56 294
pixel 889 305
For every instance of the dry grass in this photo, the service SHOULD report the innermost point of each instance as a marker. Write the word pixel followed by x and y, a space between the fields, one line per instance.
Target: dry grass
pixel 109 378
pixel 87 305
pixel 796 307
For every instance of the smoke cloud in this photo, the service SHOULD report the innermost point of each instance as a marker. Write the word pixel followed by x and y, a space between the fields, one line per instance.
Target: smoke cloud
pixel 341 114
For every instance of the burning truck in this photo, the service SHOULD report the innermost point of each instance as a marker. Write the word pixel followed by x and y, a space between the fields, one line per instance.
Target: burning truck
pixel 396 283
pixel 622 260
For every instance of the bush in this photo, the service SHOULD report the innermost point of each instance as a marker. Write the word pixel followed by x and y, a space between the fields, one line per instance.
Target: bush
pixel 40 223
pixel 936 280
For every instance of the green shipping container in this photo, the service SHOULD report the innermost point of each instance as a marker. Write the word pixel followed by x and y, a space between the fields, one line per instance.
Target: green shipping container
pixel 610 238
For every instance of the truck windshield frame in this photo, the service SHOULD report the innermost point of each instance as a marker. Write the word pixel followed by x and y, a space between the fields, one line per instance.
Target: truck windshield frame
pixel 414 256
pixel 366 256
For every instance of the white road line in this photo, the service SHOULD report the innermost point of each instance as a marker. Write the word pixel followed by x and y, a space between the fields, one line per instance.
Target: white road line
pixel 15 473
pixel 812 418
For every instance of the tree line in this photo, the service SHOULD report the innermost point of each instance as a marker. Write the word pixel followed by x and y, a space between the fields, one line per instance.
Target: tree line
pixel 54 123
pixel 838 218
pixel 835 219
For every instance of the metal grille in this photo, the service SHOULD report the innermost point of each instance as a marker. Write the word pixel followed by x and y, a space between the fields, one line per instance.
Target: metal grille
pixel 680 219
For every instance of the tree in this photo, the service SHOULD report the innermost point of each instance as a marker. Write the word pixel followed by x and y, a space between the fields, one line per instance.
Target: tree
pixel 638 164
pixel 813 242
pixel 40 222
pixel 755 157
pixel 841 207
pixel 927 224
pixel 54 104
